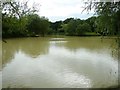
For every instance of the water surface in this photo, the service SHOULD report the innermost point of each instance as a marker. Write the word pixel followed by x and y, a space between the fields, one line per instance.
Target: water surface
pixel 59 62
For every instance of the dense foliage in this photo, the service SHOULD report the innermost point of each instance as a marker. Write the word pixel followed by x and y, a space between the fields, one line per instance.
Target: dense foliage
pixel 19 20
pixel 37 25
pixel 76 27
pixel 108 21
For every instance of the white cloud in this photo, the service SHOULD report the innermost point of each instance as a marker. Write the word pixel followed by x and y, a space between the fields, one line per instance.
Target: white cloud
pixel 60 8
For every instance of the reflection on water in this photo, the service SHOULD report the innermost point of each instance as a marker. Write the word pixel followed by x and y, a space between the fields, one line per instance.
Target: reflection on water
pixel 32 47
pixel 59 62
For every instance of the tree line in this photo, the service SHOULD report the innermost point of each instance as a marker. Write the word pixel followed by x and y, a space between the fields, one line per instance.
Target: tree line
pixel 18 20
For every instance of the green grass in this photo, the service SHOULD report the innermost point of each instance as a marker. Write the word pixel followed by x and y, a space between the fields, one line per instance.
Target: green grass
pixel 91 34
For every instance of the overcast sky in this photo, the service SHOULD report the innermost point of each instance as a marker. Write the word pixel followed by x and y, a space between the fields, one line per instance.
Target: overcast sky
pixel 56 10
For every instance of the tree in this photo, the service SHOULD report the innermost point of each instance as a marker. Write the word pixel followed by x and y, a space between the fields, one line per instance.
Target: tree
pixel 56 26
pixel 67 20
pixel 71 27
pixel 37 25
pixel 82 29
pixel 17 9
pixel 92 22
pixel 11 27
pixel 14 18
pixel 109 12
pixel 44 26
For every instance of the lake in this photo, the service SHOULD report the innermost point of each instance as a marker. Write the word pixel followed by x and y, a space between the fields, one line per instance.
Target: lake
pixel 59 62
